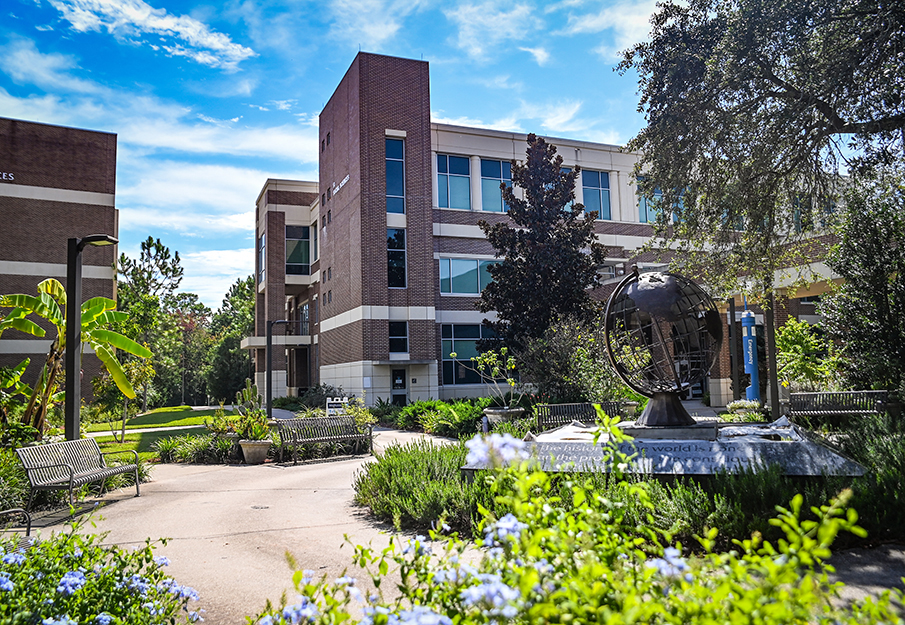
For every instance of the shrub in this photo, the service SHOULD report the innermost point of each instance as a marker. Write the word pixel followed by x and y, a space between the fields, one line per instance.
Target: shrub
pixel 589 559
pixel 385 411
pixel 316 396
pixel 414 484
pixel 204 449
pixel 408 417
pixel 73 578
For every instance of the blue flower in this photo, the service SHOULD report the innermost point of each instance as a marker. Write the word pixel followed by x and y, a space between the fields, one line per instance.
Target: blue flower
pixel 153 608
pixel 63 620
pixel 71 582
pixel 421 615
pixel 194 617
pixel 496 448
pixel 417 545
pixel 506 530
pixel 188 593
pixel 103 619
pixel 307 577
pixel 369 612
pixel 266 620
pixel 300 612
pixel 13 558
pixel 162 561
pixel 6 584
pixel 671 564
pixel 497 598
pixel 345 581
pixel 136 583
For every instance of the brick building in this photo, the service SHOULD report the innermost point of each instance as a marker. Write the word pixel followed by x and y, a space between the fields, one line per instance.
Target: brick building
pixel 373 272
pixel 55 183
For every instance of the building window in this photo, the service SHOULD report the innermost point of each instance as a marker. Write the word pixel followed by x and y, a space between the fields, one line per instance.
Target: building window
pixel 461 340
pixel 395 161
pixel 454 181
pixel 329 217
pixel 493 174
pixel 396 257
pixel 304 313
pixel 464 275
pixel 298 261
pixel 649 207
pixel 330 297
pixel 399 337
pixel 323 145
pixel 328 138
pixel 262 260
pixel 314 243
pixel 596 188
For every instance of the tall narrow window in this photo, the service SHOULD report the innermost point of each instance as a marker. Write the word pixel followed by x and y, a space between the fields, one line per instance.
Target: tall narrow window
pixel 649 207
pixel 396 258
pixel 493 174
pixel 262 260
pixel 314 242
pixel 395 161
pixel 298 260
pixel 596 188
pixel 454 181
pixel 399 336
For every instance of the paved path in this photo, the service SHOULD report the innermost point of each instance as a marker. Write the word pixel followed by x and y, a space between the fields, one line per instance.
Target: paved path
pixel 231 526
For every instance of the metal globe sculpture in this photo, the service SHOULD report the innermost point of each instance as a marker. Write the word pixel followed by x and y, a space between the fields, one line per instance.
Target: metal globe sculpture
pixel 663 334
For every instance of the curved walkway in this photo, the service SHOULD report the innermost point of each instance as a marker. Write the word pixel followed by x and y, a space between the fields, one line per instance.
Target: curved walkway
pixel 229 528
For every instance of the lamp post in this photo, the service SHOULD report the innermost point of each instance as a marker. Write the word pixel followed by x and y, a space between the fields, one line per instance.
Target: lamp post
pixel 73 363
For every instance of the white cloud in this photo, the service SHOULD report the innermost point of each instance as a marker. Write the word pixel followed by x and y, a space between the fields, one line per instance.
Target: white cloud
pixel 283 105
pixel 44 27
pixel 509 124
pixel 370 23
pixel 541 56
pixel 133 18
pixel 210 273
pixel 629 22
pixel 482 27
pixel 557 117
pixel 21 61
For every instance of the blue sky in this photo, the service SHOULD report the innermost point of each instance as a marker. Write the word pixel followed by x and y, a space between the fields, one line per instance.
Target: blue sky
pixel 209 99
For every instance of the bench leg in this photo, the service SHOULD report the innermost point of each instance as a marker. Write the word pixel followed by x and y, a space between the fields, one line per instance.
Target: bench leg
pixel 137 491
pixel 31 497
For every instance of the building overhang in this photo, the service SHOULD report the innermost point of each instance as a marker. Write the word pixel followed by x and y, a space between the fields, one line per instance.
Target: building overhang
pixel 289 340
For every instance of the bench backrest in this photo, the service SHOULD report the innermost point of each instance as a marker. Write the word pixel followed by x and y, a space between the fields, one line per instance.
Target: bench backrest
pixel 83 455
pixel 318 427
pixel 837 400
pixel 553 415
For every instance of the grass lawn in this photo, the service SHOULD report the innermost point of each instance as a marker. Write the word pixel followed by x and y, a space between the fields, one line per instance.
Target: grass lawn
pixel 161 417
pixel 142 441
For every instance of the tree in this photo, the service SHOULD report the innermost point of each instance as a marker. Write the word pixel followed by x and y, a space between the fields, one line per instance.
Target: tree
pixel 185 347
pixel 550 257
pixel 800 355
pixel 751 107
pixel 97 315
pixel 142 285
pixel 867 312
pixel 229 364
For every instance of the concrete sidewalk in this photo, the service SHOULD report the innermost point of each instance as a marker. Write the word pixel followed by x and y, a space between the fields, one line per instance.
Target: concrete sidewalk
pixel 230 526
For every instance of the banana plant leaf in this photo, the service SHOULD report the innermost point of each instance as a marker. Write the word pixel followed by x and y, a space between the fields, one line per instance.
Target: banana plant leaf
pixel 111 316
pixel 90 315
pixel 22 325
pixel 9 376
pixel 115 369
pixel 106 302
pixel 97 337
pixel 55 289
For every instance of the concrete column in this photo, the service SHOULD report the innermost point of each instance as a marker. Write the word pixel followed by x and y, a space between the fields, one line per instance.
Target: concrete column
pixel 476 201
pixel 615 196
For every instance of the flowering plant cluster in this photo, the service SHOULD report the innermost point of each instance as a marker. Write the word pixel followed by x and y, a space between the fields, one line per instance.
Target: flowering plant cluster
pixel 545 562
pixel 71 579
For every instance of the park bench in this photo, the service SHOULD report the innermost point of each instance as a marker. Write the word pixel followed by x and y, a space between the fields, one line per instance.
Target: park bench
pixel 24 541
pixel 550 416
pixel 69 464
pixel 837 403
pixel 337 429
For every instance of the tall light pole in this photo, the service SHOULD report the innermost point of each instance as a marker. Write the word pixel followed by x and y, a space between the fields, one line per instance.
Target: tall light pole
pixel 73 362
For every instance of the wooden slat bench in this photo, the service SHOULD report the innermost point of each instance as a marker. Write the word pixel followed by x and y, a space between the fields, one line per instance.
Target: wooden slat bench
pixel 297 432
pixel 837 403
pixel 69 464
pixel 550 416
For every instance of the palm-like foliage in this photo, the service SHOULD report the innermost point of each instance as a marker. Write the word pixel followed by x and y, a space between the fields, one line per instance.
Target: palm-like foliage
pixel 97 315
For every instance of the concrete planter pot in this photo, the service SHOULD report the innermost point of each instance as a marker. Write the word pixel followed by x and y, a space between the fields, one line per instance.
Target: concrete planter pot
pixel 255 452
pixel 499 415
pixel 629 408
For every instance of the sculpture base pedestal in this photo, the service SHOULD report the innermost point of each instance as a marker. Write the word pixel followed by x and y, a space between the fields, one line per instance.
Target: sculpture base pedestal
pixel 664 409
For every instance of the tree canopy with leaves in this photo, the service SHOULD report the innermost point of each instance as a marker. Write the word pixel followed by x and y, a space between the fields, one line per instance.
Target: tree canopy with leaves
pixel 550 256
pixel 752 106
pixel 867 312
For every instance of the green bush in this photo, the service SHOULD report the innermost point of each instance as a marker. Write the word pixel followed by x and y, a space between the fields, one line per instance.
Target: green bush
pixel 590 558
pixel 72 578
pixel 204 449
pixel 409 417
pixel 414 484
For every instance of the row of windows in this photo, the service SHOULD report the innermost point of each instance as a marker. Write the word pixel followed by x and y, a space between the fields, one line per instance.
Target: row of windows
pixel 460 339
pixel 464 275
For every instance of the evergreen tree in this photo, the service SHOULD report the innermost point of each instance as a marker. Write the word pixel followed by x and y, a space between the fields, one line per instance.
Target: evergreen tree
pixel 549 252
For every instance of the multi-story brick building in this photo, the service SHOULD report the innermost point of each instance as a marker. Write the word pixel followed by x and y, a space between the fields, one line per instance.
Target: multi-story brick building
pixel 55 183
pixel 380 263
